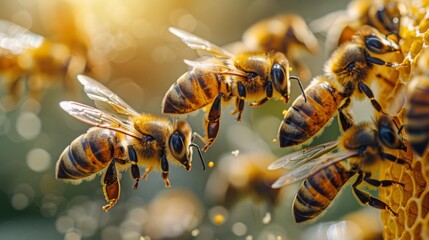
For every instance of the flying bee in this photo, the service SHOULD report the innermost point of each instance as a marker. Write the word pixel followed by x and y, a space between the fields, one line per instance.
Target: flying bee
pixel 286 33
pixel 247 76
pixel 416 116
pixel 121 139
pixel 25 55
pixel 361 149
pixel 348 71
pixel 244 176
pixel 340 26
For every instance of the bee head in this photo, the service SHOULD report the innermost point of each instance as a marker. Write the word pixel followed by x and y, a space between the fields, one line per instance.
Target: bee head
pixel 179 144
pixel 388 135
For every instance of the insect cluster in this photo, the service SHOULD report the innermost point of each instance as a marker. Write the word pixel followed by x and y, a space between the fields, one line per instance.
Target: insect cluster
pixel 377 52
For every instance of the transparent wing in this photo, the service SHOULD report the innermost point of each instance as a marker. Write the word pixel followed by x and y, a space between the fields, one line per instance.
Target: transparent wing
pixel 17 39
pixel 105 99
pixel 297 158
pixel 215 67
pixel 98 118
pixel 203 46
pixel 326 22
pixel 294 175
pixel 311 167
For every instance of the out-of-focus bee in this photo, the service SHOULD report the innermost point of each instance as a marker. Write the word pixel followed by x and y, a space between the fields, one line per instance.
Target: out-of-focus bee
pixel 121 138
pixel 348 71
pixel 24 54
pixel 243 176
pixel 340 26
pixel 362 148
pixel 417 114
pixel 255 77
pixel 286 33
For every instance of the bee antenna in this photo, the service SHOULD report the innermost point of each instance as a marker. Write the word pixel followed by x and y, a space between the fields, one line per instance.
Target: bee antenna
pixel 300 86
pixel 199 153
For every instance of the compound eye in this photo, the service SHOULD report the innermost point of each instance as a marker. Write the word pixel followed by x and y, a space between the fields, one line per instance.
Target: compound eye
pixel 374 44
pixel 177 145
pixel 388 137
pixel 277 74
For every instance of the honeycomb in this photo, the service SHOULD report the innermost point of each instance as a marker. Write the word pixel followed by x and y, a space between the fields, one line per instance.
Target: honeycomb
pixel 412 201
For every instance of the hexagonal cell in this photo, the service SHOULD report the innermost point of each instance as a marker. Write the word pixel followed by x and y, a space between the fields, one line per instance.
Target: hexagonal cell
pixel 412 211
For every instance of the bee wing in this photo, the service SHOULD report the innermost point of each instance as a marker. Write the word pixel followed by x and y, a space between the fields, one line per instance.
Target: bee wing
pixel 16 39
pixel 215 67
pixel 105 99
pixel 324 23
pixel 312 167
pixel 294 159
pixel 98 118
pixel 294 175
pixel 204 47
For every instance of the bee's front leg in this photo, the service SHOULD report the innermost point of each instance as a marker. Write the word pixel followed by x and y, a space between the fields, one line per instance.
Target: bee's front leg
pixel 111 186
pixel 135 171
pixel 164 168
pixel 239 104
pixel 146 174
pixel 268 94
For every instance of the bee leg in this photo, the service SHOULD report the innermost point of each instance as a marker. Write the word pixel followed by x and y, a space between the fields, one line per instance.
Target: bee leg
pixel 111 186
pixel 380 183
pixel 146 174
pixel 368 92
pixel 212 122
pixel 239 105
pixel 257 104
pixel 345 118
pixel 392 158
pixel 135 171
pixel 269 94
pixel 164 168
pixel 365 198
pixel 380 62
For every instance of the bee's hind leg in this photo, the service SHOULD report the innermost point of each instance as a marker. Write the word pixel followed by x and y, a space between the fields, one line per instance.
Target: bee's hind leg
pixel 212 122
pixel 111 186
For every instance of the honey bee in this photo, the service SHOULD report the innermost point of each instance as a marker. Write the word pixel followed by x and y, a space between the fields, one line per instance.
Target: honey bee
pixel 416 116
pixel 25 55
pixel 361 148
pixel 348 71
pixel 121 139
pixel 246 175
pixel 224 76
pixel 286 33
pixel 384 15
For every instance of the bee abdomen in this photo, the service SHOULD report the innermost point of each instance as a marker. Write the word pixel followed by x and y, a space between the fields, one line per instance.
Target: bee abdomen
pixel 318 191
pixel 86 155
pixel 192 91
pixel 417 125
pixel 304 119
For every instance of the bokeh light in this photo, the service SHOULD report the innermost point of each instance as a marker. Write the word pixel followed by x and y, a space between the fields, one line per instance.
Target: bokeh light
pixel 126 45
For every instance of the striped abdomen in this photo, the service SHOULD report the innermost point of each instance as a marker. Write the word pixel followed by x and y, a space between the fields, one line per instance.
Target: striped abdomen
pixel 88 154
pixel 417 116
pixel 304 119
pixel 193 90
pixel 318 191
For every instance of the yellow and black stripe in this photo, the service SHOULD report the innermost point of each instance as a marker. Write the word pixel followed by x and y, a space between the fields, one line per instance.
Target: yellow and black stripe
pixel 87 154
pixel 318 191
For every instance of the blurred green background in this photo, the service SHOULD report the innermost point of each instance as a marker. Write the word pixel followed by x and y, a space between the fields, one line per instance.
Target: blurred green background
pixel 142 59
